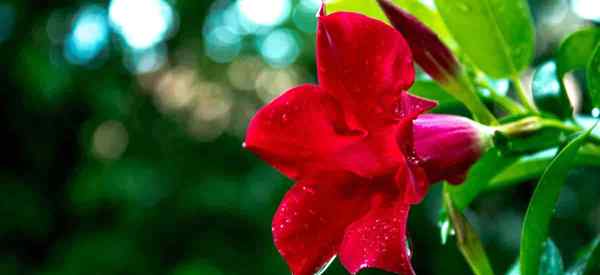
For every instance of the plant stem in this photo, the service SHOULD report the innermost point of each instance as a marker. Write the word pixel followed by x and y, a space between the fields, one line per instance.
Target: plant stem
pixel 462 88
pixel 521 127
pixel 467 239
pixel 534 123
pixel 506 103
pixel 522 95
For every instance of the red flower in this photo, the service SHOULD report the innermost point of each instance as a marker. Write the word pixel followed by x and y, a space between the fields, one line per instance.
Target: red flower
pixel 348 145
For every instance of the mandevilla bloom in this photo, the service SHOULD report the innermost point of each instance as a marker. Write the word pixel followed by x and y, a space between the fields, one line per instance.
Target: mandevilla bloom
pixel 350 145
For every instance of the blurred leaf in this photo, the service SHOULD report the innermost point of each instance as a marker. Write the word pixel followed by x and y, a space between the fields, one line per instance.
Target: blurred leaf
pixel 426 15
pixel 498 36
pixel 24 210
pixel 576 50
pixel 9 265
pixel 195 268
pixel 593 77
pixel 547 92
pixel 589 262
pixel 467 239
pixel 479 178
pixel 102 252
pixel 542 204
pixel 47 81
pixel 126 183
pixel 551 262
pixel 431 90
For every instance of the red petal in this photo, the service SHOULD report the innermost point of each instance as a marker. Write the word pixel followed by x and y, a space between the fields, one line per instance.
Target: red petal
pixel 310 222
pixel 411 106
pixel 378 240
pixel 364 63
pixel 412 181
pixel 297 131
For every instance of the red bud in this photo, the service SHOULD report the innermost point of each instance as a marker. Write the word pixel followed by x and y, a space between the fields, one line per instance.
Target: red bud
pixel 448 145
pixel 428 50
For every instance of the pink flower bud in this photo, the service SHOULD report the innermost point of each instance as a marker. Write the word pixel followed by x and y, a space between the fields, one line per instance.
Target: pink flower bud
pixel 446 145
pixel 427 49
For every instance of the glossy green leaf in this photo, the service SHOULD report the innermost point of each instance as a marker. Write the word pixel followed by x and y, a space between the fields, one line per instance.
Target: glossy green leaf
pixel 593 265
pixel 547 92
pixel 431 90
pixel 525 169
pixel 593 77
pixel 588 263
pixel 467 239
pixel 532 167
pixel 576 50
pixel 542 204
pixel 429 17
pixel 551 262
pixel 479 177
pixel 497 35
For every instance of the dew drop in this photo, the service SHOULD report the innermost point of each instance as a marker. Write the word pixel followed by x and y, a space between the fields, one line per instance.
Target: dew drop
pixel 412 159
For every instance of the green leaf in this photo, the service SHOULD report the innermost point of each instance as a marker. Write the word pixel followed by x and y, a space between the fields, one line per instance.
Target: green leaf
pixel 593 77
pixel 532 166
pixel 478 178
pixel 542 204
pixel 467 238
pixel 547 92
pixel 551 262
pixel 431 90
pixel 497 35
pixel 527 168
pixel 589 262
pixel 427 16
pixel 576 50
